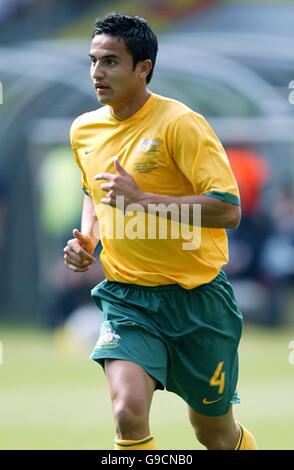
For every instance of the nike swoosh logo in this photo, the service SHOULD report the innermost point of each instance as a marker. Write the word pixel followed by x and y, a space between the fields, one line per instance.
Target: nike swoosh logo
pixel 210 402
pixel 89 151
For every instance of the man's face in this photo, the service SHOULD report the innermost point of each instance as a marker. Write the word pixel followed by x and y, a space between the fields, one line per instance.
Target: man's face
pixel 112 72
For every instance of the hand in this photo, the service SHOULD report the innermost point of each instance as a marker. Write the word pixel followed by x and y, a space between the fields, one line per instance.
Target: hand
pixel 122 184
pixel 78 252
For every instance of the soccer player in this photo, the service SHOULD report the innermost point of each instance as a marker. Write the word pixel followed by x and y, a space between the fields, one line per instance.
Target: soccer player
pixel 170 319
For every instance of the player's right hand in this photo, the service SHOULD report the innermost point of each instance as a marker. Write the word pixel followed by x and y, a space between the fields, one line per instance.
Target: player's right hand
pixel 78 253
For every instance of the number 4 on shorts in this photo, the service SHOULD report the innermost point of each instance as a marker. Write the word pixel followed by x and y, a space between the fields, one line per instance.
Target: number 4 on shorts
pixel 218 378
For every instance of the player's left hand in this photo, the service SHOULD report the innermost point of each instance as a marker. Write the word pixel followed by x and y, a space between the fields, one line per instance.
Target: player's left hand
pixel 121 184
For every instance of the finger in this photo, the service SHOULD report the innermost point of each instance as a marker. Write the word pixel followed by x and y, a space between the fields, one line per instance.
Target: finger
pixel 80 251
pixel 76 259
pixel 106 186
pixel 80 236
pixel 104 176
pixel 77 246
pixel 76 269
pixel 110 198
pixel 119 168
pixel 76 265
pixel 70 255
pixel 109 201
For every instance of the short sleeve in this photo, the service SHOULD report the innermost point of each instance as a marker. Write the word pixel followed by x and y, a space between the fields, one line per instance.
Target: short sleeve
pixel 84 183
pixel 201 157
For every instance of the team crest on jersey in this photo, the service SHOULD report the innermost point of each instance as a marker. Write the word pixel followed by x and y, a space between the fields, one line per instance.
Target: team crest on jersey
pixel 108 338
pixel 148 154
pixel 149 146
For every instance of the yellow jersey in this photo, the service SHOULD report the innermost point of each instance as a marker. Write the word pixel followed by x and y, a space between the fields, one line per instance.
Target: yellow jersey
pixel 170 150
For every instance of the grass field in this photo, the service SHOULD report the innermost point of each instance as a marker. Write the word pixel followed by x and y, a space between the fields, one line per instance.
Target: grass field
pixel 51 399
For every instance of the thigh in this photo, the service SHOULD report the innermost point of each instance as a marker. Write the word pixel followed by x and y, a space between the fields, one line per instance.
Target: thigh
pixel 129 382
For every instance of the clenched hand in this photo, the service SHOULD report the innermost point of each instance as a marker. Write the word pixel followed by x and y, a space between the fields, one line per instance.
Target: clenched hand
pixel 78 253
pixel 121 184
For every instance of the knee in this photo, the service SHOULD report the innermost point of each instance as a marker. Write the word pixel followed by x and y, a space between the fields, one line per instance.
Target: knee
pixel 213 439
pixel 215 433
pixel 129 415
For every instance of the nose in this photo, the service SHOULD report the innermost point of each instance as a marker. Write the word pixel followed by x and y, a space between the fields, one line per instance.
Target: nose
pixel 98 71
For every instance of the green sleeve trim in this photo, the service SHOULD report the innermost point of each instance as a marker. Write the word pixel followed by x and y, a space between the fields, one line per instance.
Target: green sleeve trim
pixel 86 191
pixel 226 197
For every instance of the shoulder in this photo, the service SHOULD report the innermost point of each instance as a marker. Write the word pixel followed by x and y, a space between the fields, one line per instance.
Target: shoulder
pixel 87 119
pixel 182 121
pixel 170 105
pixel 180 115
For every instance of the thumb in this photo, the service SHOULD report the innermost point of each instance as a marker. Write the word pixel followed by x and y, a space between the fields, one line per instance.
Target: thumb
pixel 119 168
pixel 77 234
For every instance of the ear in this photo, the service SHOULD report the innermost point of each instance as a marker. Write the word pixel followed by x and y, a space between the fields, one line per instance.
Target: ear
pixel 144 68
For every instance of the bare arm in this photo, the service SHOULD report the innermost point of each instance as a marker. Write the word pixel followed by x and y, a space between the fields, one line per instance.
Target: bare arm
pixel 78 253
pixel 214 213
pixel 90 224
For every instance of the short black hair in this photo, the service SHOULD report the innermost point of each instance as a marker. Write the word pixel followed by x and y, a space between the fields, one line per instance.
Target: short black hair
pixel 140 40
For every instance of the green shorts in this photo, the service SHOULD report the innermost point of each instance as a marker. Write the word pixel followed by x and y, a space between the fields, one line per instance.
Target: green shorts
pixel 186 339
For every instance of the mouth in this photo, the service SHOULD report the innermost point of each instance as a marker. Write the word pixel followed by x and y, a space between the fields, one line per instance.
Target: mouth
pixel 100 87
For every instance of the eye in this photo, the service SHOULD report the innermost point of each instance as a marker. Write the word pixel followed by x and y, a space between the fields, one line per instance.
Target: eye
pixel 93 60
pixel 110 62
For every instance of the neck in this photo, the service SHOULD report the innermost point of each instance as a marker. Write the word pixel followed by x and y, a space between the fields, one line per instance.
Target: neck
pixel 126 110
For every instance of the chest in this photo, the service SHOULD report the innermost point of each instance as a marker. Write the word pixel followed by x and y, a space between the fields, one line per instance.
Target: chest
pixel 143 153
